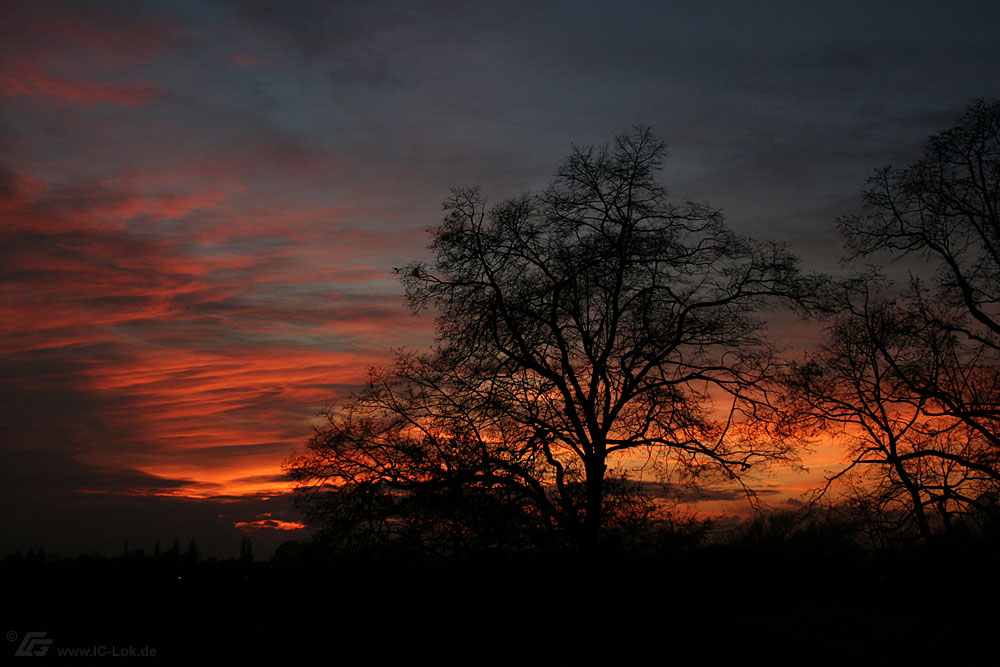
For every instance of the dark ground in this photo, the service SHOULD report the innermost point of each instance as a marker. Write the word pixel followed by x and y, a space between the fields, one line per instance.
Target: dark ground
pixel 708 601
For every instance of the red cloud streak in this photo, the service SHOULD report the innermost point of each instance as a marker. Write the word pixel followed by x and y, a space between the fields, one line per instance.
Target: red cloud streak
pixel 24 80
pixel 185 357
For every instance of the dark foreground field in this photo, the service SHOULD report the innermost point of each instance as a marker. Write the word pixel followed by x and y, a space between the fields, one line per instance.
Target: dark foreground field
pixel 781 604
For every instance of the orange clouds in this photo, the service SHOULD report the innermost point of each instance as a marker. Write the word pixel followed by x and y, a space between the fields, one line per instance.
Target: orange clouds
pixel 188 346
pixel 272 524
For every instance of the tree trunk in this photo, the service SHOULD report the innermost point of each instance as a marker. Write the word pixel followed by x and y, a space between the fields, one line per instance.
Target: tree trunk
pixel 595 469
pixel 918 507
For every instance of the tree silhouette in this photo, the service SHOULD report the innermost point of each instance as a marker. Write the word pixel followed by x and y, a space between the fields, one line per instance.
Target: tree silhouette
pixel 920 376
pixel 945 209
pixel 575 325
pixel 246 550
pixel 192 554
pixel 917 466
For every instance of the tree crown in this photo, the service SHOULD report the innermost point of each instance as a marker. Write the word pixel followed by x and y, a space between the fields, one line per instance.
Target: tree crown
pixel 608 299
pixel 591 318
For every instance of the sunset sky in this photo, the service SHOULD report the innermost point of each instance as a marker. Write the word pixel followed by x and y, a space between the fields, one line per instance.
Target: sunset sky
pixel 201 203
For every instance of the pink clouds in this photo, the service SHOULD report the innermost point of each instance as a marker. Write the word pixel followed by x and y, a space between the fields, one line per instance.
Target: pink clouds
pixel 25 80
pixel 185 281
pixel 207 347
pixel 30 204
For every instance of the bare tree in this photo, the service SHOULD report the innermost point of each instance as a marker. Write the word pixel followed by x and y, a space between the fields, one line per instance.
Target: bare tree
pixel 945 210
pixel 576 325
pixel 916 466
pixel 917 375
